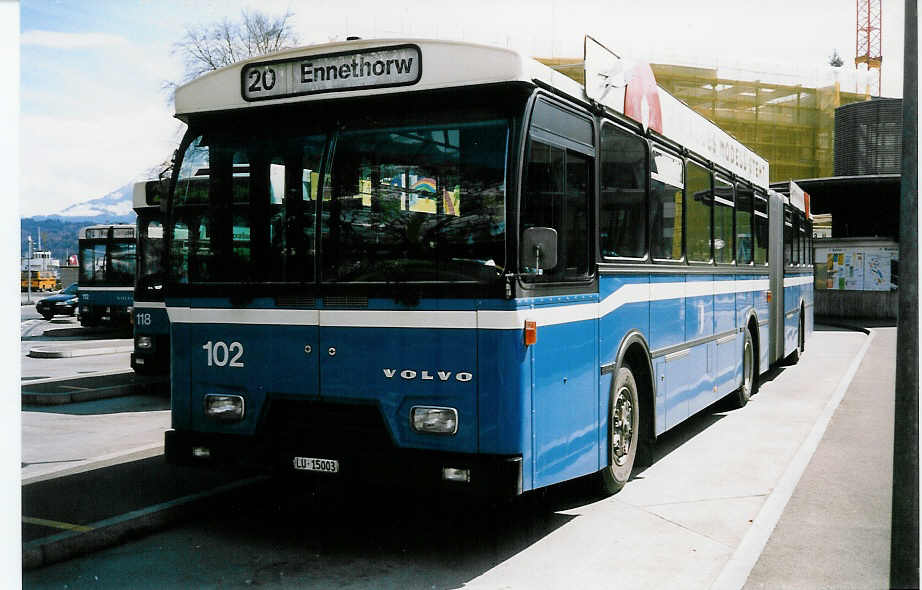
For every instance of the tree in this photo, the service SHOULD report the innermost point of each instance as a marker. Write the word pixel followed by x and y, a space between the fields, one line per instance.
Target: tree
pixel 835 60
pixel 209 47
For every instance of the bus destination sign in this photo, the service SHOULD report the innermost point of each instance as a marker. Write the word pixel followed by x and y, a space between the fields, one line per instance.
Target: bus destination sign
pixel 352 70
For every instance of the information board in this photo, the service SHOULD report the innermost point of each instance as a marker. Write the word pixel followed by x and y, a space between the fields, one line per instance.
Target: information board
pixel 856 268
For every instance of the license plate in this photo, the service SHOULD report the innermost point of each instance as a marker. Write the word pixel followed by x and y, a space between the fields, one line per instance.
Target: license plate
pixel 314 464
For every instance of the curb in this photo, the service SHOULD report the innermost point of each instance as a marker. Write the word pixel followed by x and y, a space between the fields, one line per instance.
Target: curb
pixel 26 381
pixel 86 331
pixel 844 325
pixel 40 353
pixel 113 531
pixel 56 399
pixel 86 395
pixel 117 458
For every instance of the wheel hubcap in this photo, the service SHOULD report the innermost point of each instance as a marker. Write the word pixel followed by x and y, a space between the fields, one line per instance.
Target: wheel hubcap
pixel 622 426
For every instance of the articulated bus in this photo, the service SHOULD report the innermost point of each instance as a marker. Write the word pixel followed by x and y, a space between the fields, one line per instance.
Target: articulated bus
pixel 151 326
pixel 446 263
pixel 105 279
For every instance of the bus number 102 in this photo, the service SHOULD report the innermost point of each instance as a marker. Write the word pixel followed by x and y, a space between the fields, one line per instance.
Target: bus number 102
pixel 220 352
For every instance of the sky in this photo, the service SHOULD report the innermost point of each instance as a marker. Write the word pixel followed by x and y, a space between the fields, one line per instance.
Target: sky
pixel 94 116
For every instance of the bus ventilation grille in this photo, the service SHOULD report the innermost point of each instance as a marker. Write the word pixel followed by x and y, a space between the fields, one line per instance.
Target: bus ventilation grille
pixel 345 301
pixel 295 301
pixel 318 426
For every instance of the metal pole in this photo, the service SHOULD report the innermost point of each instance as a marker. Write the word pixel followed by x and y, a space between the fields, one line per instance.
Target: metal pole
pixel 904 527
pixel 29 273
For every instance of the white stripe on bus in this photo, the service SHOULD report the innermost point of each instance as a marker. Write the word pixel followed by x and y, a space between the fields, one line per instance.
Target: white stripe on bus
pixel 488 319
pixel 149 305
pixel 794 281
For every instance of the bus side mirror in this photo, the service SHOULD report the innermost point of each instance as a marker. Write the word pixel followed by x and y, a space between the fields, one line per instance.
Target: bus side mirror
pixel 539 248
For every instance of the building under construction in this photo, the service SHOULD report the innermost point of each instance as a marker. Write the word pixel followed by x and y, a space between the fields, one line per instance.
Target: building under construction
pixel 791 126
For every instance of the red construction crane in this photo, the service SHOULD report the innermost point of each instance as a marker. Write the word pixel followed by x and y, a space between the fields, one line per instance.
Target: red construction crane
pixel 867 36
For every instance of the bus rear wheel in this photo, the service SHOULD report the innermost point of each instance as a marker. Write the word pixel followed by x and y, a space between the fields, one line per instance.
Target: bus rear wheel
pixel 794 357
pixel 623 431
pixel 741 397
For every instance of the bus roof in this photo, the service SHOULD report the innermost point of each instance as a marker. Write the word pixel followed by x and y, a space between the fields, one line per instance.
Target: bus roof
pixel 146 194
pixel 139 194
pixel 385 66
pixel 359 68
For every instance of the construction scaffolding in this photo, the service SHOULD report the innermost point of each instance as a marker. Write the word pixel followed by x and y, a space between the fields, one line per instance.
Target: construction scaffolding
pixel 791 126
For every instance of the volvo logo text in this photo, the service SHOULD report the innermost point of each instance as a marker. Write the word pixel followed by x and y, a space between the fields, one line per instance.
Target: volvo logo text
pixel 410 375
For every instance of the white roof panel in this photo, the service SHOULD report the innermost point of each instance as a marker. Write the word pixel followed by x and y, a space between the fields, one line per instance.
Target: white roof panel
pixel 296 74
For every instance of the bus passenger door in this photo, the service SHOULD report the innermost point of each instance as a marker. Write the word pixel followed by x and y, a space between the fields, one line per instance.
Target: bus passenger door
pixel 565 377
pixel 667 333
pixel 558 277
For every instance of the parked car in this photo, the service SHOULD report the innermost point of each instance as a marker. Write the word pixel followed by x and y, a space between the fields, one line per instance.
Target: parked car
pixel 62 303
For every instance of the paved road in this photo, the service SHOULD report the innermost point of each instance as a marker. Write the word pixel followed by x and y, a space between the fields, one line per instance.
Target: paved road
pixel 65 332
pixel 678 524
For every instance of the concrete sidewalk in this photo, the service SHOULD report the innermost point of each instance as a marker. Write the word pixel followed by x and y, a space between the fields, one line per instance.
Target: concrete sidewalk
pixel 835 529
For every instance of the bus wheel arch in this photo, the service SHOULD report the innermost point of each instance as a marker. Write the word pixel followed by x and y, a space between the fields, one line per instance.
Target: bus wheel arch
pixel 634 355
pixel 794 357
pixel 740 397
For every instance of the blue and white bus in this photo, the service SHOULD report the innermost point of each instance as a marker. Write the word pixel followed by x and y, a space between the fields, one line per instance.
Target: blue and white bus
pixel 151 325
pixel 446 263
pixel 105 278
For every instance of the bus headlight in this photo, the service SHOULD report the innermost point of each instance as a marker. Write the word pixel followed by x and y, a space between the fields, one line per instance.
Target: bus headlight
pixel 143 343
pixel 434 420
pixel 227 408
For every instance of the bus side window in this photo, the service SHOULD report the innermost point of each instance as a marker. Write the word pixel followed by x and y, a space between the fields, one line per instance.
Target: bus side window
pixel 744 233
pixel 788 236
pixel 698 201
pixel 557 189
pixel 622 203
pixel 809 239
pixel 666 203
pixel 760 229
pixel 723 222
pixel 802 238
pixel 556 195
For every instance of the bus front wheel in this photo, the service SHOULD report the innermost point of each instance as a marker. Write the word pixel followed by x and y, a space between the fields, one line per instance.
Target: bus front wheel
pixel 623 431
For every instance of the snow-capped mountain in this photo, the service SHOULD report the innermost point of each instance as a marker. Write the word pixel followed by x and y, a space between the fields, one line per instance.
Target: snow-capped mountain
pixel 117 203
pixel 114 207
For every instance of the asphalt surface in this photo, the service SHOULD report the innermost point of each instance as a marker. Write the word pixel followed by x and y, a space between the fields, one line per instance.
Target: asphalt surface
pixel 62 504
pixel 705 514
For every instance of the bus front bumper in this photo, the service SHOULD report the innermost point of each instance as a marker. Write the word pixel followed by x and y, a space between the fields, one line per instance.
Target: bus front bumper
pixel 479 475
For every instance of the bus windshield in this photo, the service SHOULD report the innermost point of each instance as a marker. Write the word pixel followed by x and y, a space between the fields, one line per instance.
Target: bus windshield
pixel 107 262
pixel 391 203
